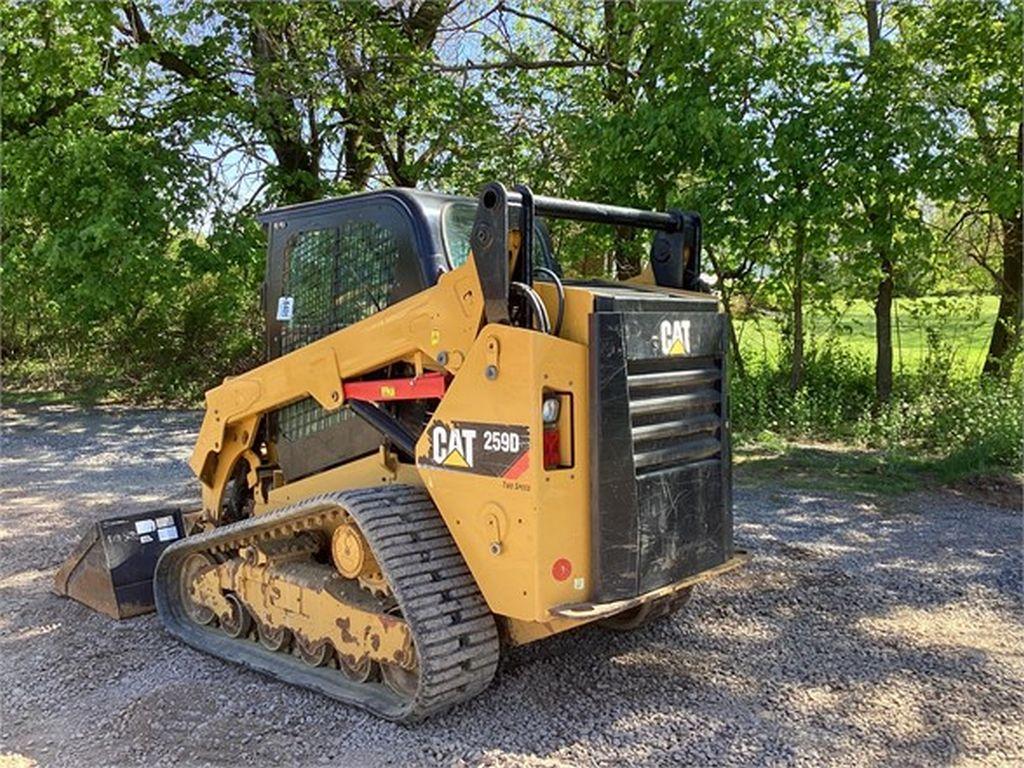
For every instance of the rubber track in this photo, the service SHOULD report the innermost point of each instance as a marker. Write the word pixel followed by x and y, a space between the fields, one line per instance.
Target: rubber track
pixel 452 628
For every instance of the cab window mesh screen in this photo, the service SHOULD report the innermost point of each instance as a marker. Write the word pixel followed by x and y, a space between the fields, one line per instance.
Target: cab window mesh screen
pixel 305 418
pixel 335 277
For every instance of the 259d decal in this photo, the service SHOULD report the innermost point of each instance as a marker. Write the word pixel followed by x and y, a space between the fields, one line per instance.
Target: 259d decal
pixel 495 450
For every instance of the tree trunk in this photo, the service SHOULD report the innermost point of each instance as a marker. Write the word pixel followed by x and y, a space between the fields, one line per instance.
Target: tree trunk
pixel 874 30
pixel 881 238
pixel 1006 331
pixel 734 344
pixel 883 333
pixel 796 372
pixel 627 264
pixel 298 161
pixel 358 160
pixel 736 358
pixel 619 35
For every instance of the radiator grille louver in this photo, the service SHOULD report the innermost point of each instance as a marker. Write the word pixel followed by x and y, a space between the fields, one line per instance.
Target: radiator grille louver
pixel 675 412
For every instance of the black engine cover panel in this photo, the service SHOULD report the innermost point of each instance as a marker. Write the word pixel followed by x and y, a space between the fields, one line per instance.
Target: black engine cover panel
pixel 661 501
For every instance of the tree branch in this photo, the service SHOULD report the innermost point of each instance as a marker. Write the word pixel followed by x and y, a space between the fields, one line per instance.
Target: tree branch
pixel 558 30
pixel 166 59
pixel 518 63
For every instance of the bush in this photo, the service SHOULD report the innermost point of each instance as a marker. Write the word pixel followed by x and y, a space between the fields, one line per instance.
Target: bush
pixel 195 322
pixel 837 391
pixel 941 411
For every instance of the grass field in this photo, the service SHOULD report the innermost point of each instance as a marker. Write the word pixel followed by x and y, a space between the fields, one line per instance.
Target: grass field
pixel 964 323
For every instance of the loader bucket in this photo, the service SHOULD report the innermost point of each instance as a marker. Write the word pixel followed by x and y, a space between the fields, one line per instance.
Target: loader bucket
pixel 111 569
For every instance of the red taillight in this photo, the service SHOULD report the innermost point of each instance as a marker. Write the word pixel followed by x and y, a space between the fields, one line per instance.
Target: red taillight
pixel 556 416
pixel 552 447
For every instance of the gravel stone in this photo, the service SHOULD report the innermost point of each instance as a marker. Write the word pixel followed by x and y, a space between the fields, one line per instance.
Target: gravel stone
pixel 865 631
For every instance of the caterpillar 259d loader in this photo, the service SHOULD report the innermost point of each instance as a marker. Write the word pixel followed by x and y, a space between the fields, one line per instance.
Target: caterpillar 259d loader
pixel 449 449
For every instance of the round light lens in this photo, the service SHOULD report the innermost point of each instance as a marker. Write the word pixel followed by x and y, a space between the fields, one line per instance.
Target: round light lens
pixel 549 410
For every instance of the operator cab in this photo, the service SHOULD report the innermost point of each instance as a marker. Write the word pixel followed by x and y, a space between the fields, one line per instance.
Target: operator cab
pixel 332 263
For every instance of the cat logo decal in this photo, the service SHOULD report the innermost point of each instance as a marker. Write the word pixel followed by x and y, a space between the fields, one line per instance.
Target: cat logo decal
pixel 452 446
pixel 675 337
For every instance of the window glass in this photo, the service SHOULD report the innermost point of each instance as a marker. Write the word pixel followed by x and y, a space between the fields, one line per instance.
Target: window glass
pixel 457 226
pixel 331 266
pixel 335 277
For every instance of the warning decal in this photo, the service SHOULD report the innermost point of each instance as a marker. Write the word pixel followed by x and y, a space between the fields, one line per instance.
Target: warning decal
pixel 495 450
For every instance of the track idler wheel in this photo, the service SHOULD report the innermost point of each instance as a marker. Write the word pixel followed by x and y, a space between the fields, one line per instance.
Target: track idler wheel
pixel 194 565
pixel 402 681
pixel 357 672
pixel 314 654
pixel 238 623
pixel 274 639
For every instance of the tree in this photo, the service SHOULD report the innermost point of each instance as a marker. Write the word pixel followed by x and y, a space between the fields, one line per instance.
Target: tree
pixel 886 151
pixel 106 279
pixel 822 144
pixel 797 105
pixel 971 51
pixel 86 186
pixel 139 137
pixel 341 94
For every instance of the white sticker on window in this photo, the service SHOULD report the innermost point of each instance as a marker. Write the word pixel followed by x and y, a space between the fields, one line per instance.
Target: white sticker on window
pixel 165 522
pixel 167 534
pixel 145 539
pixel 144 526
pixel 285 307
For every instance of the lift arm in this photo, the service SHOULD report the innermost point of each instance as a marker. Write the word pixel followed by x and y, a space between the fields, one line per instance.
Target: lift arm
pixel 445 318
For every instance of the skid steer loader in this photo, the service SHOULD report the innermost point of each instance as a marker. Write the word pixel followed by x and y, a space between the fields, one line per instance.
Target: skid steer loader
pixel 450 449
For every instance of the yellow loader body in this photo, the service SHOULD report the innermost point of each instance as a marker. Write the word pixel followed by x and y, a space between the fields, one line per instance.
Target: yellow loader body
pixel 394 495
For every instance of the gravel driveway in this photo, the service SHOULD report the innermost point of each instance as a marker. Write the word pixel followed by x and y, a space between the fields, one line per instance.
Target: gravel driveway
pixel 864 632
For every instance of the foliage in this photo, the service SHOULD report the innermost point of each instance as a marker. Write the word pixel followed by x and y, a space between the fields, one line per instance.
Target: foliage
pixel 103 281
pixel 940 412
pixel 962 322
pixel 838 152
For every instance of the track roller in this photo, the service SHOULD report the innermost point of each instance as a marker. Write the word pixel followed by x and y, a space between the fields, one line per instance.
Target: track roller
pixel 274 639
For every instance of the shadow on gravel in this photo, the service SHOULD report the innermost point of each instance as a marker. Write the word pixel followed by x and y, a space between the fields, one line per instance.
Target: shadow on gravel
pixel 855 636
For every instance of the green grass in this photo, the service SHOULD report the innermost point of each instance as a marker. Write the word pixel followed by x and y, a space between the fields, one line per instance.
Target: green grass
pixel 943 424
pixel 963 322
pixel 838 468
pixel 35 383
pixel 830 468
pixel 34 398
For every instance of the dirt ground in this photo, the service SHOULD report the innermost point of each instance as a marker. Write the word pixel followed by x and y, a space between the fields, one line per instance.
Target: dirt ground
pixel 865 631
